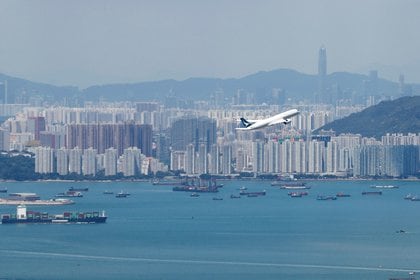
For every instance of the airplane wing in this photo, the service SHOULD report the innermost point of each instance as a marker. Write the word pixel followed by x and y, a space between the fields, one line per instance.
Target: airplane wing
pixel 278 121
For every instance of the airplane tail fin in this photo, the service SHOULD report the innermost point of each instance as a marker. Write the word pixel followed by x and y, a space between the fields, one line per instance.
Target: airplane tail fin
pixel 245 122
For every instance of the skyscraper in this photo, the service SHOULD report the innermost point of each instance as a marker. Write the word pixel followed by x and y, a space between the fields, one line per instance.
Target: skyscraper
pixel 194 131
pixel 322 75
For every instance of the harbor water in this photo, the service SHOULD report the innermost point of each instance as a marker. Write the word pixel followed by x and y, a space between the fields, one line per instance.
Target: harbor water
pixel 156 233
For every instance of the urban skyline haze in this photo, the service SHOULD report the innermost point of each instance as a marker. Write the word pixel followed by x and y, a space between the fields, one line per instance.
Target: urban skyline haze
pixel 101 42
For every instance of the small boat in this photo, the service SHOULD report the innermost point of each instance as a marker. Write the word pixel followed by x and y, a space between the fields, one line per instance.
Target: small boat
pixel 194 195
pixel 372 193
pixel 243 188
pixel 217 198
pixel 415 198
pixel 326 197
pixel 409 196
pixel 340 194
pixel 72 189
pixel 297 194
pixel 252 193
pixel 108 192
pixel 235 196
pixel 122 194
pixel 3 190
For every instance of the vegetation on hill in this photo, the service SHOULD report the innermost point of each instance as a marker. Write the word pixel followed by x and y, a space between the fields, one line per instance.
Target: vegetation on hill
pixel 398 116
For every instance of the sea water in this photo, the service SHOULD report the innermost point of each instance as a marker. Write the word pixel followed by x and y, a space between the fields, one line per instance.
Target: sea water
pixel 156 233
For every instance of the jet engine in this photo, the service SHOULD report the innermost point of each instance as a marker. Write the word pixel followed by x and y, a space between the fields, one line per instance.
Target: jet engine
pixel 287 121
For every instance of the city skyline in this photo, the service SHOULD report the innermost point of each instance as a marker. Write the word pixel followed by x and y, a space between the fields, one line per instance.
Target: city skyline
pixel 104 42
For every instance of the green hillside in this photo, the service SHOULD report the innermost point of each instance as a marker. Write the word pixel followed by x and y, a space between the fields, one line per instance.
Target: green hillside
pixel 398 116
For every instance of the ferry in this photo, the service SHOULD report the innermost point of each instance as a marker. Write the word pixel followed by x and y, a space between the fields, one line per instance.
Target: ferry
pixel 23 216
pixel 69 194
pixel 384 187
pixel 295 187
pixel 122 194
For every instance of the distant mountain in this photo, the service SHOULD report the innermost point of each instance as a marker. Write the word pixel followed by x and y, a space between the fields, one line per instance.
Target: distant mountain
pixel 398 116
pixel 294 85
pixel 25 89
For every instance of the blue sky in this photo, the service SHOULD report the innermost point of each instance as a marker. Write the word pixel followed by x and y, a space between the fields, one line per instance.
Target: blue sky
pixel 84 43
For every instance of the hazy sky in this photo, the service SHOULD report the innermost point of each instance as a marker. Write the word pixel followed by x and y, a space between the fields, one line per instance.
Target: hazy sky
pixel 84 43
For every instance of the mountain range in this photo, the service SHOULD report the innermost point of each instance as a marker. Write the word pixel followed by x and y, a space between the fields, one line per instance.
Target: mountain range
pixel 295 85
pixel 398 116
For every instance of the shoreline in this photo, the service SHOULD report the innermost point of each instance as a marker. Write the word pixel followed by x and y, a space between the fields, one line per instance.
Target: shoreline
pixel 217 179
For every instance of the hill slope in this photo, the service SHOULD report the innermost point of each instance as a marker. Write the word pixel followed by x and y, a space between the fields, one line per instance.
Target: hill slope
pixel 295 85
pixel 398 116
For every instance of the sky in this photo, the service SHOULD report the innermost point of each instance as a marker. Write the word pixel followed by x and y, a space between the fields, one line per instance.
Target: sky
pixel 84 43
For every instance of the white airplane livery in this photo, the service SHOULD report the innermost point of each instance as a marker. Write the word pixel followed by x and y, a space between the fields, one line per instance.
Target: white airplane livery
pixel 283 118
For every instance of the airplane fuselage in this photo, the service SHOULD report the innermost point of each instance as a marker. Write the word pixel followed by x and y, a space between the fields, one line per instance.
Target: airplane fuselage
pixel 277 119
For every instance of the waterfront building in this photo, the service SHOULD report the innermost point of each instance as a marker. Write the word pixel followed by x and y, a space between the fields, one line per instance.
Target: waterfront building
pixel 110 163
pixel 132 161
pixel 62 159
pixel 226 158
pixel 4 140
pixel 258 157
pixel 190 159
pixel 201 160
pixel 89 161
pixel 178 161
pixel 75 160
pixel 44 160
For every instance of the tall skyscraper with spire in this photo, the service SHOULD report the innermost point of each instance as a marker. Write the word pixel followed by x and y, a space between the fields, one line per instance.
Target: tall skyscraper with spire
pixel 322 75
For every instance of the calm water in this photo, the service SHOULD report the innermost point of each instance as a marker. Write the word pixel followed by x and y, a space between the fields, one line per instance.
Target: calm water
pixel 160 234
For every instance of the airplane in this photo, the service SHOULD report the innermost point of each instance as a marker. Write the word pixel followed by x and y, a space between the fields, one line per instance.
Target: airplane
pixel 277 119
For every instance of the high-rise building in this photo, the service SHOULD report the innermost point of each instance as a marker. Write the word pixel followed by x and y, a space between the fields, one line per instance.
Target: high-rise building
pixel 322 76
pixel 75 160
pixel 103 136
pixel 44 160
pixel 194 131
pixel 132 161
pixel 62 159
pixel 111 162
pixel 4 140
pixel 89 161
pixel 36 125
pixel 3 93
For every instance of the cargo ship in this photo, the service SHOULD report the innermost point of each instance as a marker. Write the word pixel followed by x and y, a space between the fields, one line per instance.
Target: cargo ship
pixel 23 216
